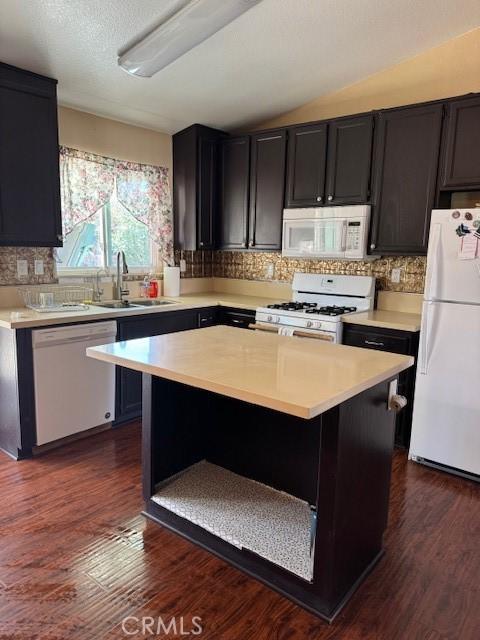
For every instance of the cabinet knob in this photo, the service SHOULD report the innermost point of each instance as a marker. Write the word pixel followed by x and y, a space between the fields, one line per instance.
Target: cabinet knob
pixel 251 243
pixel 201 244
pixel 330 198
pixel 319 198
pixel 59 237
pixel 372 246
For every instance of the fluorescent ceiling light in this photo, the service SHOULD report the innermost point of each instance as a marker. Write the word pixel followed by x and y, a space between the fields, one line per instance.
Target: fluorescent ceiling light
pixel 182 31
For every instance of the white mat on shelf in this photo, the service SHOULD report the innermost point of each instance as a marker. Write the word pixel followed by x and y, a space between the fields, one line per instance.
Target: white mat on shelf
pixel 245 513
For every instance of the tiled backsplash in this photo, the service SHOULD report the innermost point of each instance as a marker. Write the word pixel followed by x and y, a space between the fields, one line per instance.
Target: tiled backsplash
pixel 8 265
pixel 237 264
pixel 258 266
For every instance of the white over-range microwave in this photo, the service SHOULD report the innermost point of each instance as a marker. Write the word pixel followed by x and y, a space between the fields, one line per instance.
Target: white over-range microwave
pixel 326 232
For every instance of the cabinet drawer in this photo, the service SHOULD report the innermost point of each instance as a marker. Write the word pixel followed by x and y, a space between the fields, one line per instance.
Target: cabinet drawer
pixel 379 341
pixel 207 318
pixel 234 318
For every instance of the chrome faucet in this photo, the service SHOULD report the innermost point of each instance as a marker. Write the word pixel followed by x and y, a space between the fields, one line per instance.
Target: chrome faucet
pixel 96 284
pixel 122 269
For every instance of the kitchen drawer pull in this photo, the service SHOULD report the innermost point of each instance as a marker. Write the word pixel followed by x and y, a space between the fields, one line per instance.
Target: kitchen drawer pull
pixel 375 344
pixel 235 321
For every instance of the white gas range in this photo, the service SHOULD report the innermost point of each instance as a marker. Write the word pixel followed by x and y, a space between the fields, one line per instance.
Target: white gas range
pixel 318 304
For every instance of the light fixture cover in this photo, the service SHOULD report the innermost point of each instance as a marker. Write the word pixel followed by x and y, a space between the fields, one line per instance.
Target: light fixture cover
pixel 184 30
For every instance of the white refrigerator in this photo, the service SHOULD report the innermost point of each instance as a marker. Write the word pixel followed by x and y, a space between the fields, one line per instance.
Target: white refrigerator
pixel 446 410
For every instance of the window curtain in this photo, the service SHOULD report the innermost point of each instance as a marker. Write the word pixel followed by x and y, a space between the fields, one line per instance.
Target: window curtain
pixel 144 191
pixel 87 183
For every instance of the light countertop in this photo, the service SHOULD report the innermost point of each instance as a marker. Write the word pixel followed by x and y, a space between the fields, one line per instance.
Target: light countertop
pixel 21 317
pixel 299 376
pixel 386 319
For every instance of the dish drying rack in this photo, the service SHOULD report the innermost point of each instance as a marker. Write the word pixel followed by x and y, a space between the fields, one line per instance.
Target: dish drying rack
pixel 72 298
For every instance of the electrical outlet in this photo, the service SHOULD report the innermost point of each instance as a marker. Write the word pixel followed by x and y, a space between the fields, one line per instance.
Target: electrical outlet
pixel 22 268
pixel 39 268
pixel 396 275
pixel 183 266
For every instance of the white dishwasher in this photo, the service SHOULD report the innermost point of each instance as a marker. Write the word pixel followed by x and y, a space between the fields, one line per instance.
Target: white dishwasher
pixel 72 392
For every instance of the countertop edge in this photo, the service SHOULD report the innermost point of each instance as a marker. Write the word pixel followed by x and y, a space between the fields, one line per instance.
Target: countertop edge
pixel 301 411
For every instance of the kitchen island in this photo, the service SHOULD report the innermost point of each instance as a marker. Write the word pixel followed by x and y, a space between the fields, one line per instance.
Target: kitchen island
pixel 270 451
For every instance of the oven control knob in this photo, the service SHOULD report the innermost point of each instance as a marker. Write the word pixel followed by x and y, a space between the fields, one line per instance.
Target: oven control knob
pixel 269 318
pixel 318 325
pixel 276 319
pixel 309 323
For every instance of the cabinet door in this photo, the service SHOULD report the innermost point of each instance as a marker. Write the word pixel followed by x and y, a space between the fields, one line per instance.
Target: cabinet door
pixel 267 188
pixel 461 154
pixel 307 152
pixel 349 160
pixel 195 187
pixel 29 171
pixel 406 163
pixel 234 188
pixel 129 383
pixel 396 342
pixel 207 192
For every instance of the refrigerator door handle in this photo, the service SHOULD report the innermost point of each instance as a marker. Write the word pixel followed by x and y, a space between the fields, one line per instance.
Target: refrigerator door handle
pixel 425 338
pixel 433 262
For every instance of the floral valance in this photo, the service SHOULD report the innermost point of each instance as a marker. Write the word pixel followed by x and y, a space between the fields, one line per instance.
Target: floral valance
pixel 87 184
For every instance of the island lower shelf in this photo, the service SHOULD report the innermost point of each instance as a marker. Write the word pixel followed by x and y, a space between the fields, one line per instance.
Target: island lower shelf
pixel 245 513
pixel 205 456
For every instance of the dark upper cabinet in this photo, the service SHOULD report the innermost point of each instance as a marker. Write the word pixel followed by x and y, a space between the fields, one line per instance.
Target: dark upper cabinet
pixel 30 213
pixel 234 190
pixel 349 160
pixel 461 148
pixel 195 200
pixel 267 189
pixel 307 155
pixel 406 162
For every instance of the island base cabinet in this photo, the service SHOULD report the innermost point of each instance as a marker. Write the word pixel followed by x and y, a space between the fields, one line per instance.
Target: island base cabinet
pixel 300 505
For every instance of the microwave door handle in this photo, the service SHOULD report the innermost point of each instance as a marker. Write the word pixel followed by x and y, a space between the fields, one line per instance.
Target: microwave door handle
pixel 344 236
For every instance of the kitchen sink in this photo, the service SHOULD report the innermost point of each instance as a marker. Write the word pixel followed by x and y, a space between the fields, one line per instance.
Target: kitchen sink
pixel 116 304
pixel 151 303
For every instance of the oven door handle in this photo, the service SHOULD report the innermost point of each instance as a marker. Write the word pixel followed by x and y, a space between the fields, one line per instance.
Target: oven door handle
pixel 326 337
pixel 263 327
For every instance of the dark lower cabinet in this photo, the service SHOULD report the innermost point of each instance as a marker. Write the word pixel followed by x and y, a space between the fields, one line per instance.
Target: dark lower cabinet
pixel 267 189
pixel 349 160
pixel 240 318
pixel 403 342
pixel 406 162
pixel 461 149
pixel 307 157
pixel 129 383
pixel 234 192
pixel 30 212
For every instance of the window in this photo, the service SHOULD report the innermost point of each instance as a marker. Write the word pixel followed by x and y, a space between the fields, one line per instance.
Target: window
pixel 94 243
pixel 113 205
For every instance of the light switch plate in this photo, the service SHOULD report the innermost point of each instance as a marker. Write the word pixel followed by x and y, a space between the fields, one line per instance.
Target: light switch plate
pixel 396 275
pixel 39 268
pixel 183 266
pixel 22 268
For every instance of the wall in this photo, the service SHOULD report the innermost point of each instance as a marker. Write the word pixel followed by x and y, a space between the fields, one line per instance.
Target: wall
pixel 450 69
pixel 92 133
pixel 245 265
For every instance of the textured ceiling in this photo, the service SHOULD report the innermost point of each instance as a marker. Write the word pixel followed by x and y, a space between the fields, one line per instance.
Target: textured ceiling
pixel 273 58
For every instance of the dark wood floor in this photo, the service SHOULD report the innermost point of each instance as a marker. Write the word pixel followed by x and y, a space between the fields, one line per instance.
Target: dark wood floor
pixel 76 558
